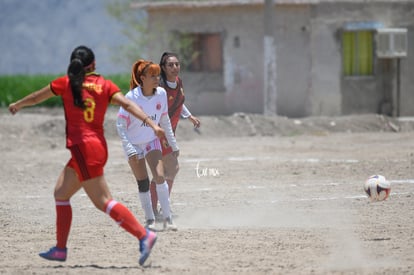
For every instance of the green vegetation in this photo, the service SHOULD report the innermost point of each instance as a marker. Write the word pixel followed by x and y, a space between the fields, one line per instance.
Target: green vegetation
pixel 122 80
pixel 135 29
pixel 134 24
pixel 14 87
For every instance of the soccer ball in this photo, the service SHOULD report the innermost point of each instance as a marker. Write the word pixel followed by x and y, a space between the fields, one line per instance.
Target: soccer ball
pixel 377 188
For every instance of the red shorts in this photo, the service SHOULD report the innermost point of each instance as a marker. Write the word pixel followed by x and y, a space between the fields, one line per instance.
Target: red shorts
pixel 166 148
pixel 89 158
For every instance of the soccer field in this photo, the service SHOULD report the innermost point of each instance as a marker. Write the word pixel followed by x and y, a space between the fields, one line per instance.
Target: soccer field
pixel 244 204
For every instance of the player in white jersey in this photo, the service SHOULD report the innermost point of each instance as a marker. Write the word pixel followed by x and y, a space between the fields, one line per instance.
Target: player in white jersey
pixel 141 144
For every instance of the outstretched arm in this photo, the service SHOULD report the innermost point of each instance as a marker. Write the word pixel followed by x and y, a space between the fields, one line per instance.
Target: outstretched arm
pixel 31 99
pixel 136 111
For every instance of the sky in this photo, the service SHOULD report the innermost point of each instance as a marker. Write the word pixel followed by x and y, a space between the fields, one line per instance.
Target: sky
pixel 37 36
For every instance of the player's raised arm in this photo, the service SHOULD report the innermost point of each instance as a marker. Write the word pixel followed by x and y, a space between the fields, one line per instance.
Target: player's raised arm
pixel 31 99
pixel 136 111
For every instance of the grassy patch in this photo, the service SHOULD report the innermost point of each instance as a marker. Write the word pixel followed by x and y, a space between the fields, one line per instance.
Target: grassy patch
pixel 14 87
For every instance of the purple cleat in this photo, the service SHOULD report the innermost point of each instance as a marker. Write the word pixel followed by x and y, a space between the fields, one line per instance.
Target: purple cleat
pixel 55 254
pixel 145 246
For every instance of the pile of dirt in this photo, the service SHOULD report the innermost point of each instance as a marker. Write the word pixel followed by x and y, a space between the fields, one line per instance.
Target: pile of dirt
pixel 50 123
pixel 242 124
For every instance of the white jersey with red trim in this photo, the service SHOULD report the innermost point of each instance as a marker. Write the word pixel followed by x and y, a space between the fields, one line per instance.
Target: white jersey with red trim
pixel 154 106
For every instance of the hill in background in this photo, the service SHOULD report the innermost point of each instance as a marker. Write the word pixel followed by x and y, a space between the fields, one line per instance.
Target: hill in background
pixel 37 37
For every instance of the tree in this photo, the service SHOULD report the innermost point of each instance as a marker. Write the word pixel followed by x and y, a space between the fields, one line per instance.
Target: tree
pixel 135 29
pixel 135 26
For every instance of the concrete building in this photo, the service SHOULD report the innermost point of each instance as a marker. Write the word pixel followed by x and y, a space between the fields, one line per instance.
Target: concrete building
pixel 292 58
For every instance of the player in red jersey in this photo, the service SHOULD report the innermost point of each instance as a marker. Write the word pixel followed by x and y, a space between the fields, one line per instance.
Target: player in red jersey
pixel 86 96
pixel 172 83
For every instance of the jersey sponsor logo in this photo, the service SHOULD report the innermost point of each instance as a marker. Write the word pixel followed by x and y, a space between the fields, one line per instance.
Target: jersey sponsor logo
pixel 153 118
pixel 158 106
pixel 92 87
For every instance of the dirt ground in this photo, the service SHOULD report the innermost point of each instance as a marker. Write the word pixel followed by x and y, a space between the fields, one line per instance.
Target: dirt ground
pixel 255 195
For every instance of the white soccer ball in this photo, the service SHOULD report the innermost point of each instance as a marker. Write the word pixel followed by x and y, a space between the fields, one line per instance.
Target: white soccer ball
pixel 377 188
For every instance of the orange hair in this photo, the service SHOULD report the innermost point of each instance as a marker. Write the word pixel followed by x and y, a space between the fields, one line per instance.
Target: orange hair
pixel 142 67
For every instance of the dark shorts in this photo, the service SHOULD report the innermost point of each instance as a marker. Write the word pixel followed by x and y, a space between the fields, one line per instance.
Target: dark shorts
pixel 89 158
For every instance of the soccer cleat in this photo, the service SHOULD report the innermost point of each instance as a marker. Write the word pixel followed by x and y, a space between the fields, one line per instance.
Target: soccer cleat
pixel 150 224
pixel 161 216
pixel 55 254
pixel 145 246
pixel 158 215
pixel 169 225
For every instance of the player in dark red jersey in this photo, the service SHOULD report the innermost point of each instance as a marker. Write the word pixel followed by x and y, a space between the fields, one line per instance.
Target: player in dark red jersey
pixel 86 96
pixel 172 83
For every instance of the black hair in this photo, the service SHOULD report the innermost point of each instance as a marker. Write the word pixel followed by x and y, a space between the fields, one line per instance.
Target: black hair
pixel 163 61
pixel 81 59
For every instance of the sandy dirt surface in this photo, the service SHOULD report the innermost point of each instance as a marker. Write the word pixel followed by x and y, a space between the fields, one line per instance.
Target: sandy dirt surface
pixel 255 195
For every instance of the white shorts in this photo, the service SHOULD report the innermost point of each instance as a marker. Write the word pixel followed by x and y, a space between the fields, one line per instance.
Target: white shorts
pixel 143 149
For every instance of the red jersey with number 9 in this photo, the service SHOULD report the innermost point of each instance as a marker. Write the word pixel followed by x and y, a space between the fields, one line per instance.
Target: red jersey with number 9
pixel 97 94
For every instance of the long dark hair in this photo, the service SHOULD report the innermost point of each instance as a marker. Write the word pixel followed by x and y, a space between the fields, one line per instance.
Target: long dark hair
pixel 163 62
pixel 81 61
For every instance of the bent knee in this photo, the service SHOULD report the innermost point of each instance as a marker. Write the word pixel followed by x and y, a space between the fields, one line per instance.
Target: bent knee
pixel 159 179
pixel 171 172
pixel 143 185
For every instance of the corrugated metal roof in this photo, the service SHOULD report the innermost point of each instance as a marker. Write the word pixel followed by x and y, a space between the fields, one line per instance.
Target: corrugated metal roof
pixel 229 3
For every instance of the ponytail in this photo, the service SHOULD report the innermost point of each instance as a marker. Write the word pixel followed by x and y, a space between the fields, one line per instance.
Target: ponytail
pixel 135 75
pixel 82 61
pixel 76 74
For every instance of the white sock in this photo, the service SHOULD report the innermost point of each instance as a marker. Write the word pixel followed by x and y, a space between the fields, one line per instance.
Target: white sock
pixel 164 199
pixel 145 198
